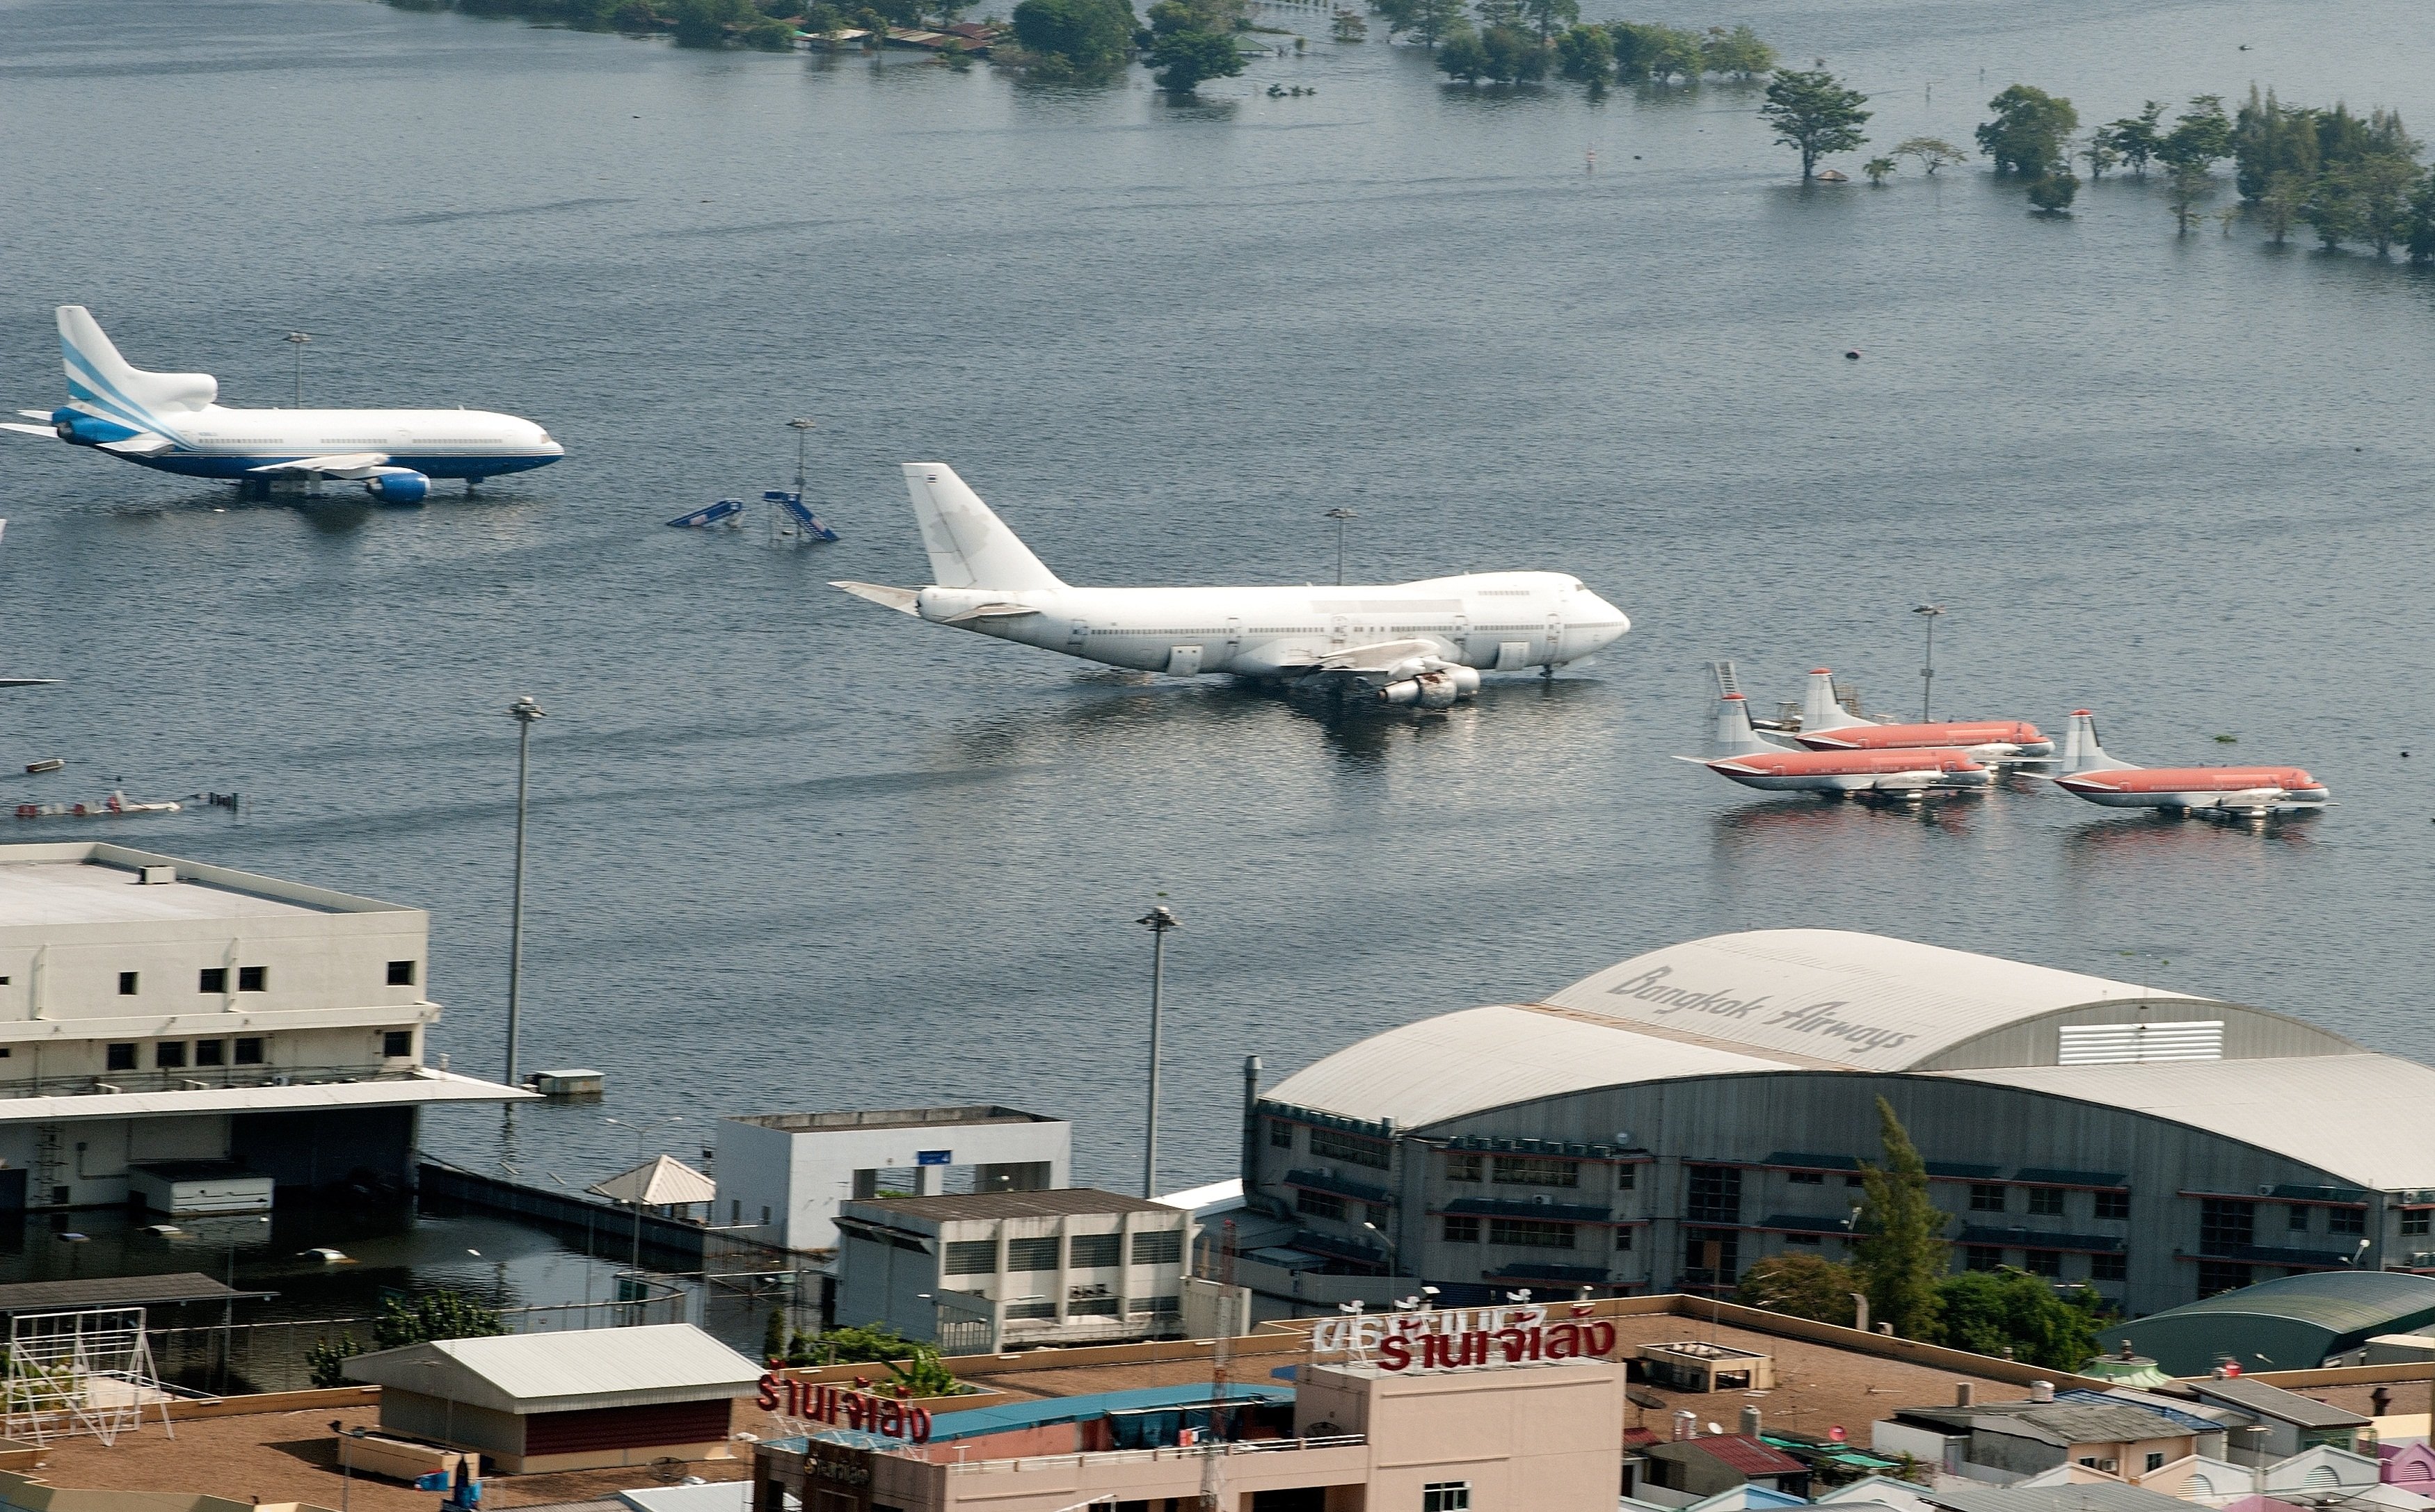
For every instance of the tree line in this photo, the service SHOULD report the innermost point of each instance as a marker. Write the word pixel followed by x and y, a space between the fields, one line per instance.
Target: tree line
pixel 1901 1262
pixel 1524 41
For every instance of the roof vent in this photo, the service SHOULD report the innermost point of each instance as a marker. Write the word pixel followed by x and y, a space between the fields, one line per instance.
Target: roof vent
pixel 2042 1391
pixel 155 876
pixel 1961 1390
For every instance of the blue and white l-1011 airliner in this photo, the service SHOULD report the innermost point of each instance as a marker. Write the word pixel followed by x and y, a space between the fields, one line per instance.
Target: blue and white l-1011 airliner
pixel 170 420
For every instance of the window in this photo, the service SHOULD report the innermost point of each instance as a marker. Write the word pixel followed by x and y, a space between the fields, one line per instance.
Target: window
pixel 2109 1268
pixel 1534 1171
pixel 127 981
pixel 2221 1276
pixel 1626 1178
pixel 1853 1181
pixel 2114 1205
pixel 249 1052
pixel 1159 1246
pixel 2045 1263
pixel 1983 1257
pixel 1462 1167
pixel 1802 1238
pixel 2295 1218
pixel 1986 1197
pixel 2345 1220
pixel 119 1057
pixel 2226 1225
pixel 1529 1233
pixel 212 979
pixel 1318 1205
pixel 2413 1221
pixel 1145 1304
pixel 1280 1134
pixel 1094 1306
pixel 397 1042
pixel 1022 1310
pixel 965 1257
pixel 2046 1202
pixel 253 978
pixel 765 1218
pixel 1622 1240
pixel 1334 1144
pixel 1033 1254
pixel 169 1054
pixel 1808 1178
pixel 1716 1194
pixel 1376 1215
pixel 1711 1257
pixel 2155 1461
pixel 1462 1231
pixel 1446 1496
pixel 1084 1251
pixel 401 973
pixel 211 1052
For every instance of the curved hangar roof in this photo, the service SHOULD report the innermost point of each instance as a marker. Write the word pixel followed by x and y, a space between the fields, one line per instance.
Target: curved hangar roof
pixel 1833 1000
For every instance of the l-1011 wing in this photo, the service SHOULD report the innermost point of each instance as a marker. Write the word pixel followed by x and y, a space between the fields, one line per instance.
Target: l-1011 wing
pixel 343 465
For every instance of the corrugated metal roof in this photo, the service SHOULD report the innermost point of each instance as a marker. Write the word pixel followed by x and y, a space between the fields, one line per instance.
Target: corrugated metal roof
pixel 527 1373
pixel 2093 1497
pixel 662 1182
pixel 116 1291
pixel 2273 1402
pixel 2367 1118
pixel 1864 1001
pixel 1746 1455
pixel 1461 1062
pixel 2342 1302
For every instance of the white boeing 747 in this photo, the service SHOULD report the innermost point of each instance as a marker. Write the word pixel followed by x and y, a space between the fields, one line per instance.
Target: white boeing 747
pixel 1423 642
pixel 171 422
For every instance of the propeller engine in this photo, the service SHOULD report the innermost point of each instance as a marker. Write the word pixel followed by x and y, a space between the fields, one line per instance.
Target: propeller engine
pixel 401 487
pixel 1433 688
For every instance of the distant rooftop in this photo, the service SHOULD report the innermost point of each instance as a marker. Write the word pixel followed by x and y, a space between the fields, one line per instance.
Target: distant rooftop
pixel 894 1118
pixel 91 883
pixel 1059 1203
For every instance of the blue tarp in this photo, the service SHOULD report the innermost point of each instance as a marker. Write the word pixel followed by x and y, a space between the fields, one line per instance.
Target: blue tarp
pixel 975 1422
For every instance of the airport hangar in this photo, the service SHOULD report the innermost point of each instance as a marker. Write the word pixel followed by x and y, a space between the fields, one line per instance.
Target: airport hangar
pixel 1663 1125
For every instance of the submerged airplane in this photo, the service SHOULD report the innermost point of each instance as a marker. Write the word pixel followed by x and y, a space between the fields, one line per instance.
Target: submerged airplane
pixel 1423 642
pixel 169 421
pixel 1739 751
pixel 1826 725
pixel 2247 791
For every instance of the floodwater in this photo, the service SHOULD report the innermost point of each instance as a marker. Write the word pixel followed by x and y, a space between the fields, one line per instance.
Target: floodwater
pixel 792 851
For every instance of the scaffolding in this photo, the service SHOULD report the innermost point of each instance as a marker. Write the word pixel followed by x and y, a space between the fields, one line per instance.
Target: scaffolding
pixel 81 1372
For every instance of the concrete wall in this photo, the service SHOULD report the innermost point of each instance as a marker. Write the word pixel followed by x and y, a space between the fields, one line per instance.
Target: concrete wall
pixel 1543 1436
pixel 799 1176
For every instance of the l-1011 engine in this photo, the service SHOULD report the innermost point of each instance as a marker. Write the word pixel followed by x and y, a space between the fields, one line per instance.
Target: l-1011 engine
pixel 398 487
pixel 1437 688
pixel 77 428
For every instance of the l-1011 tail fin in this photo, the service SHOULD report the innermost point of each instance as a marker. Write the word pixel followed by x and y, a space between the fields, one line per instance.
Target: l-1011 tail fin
pixel 101 381
pixel 2081 752
pixel 1819 708
pixel 969 546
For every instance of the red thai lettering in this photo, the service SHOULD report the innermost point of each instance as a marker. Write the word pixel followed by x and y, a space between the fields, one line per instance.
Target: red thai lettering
pixel 1519 1344
pixel 918 1421
pixel 1563 1341
pixel 892 1418
pixel 1474 1350
pixel 1598 1339
pixel 1396 1354
pixel 767 1398
pixel 1437 1351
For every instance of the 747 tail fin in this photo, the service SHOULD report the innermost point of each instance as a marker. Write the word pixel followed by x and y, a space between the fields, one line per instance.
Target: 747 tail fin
pixel 969 546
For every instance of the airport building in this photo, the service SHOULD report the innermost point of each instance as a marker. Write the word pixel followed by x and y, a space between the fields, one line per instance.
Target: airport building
pixel 201 1037
pixel 1667 1122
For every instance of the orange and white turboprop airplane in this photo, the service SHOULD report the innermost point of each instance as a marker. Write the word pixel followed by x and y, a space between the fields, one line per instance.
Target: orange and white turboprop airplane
pixel 1826 725
pixel 2231 792
pixel 1740 753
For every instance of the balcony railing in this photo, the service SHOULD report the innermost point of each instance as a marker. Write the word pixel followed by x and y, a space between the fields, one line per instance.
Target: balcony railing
pixel 203 1078
pixel 1150 1457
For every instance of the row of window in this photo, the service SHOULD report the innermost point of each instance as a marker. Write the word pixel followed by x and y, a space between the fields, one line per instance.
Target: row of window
pixel 2226 1223
pixel 215 979
pixel 177 1055
pixel 1097 1307
pixel 979 1257
pixel 2047 1263
pixel 1529 1234
pixel 1525 1170
pixel 1327 1205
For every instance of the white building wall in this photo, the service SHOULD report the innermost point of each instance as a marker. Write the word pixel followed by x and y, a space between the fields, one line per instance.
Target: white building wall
pixel 801 1176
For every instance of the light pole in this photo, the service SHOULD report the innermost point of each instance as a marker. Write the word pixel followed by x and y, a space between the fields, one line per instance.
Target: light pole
pixel 1339 514
pixel 1931 613
pixel 525 712
pixel 300 340
pixel 1395 1266
pixel 802 429
pixel 1158 921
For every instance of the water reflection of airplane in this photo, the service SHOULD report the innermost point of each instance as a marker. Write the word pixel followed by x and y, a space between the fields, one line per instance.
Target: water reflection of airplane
pixel 2210 792
pixel 2152 832
pixel 1737 751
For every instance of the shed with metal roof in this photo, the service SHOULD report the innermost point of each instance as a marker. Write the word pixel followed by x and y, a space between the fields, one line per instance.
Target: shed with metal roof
pixel 533 1402
pixel 2292 1323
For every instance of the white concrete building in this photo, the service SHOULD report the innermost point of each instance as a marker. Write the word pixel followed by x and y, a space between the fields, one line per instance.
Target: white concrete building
pixel 1008 1269
pixel 159 1012
pixel 782 1175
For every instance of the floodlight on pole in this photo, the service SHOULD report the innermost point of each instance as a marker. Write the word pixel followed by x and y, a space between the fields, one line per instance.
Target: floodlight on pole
pixel 1158 921
pixel 300 340
pixel 525 712
pixel 1339 514
pixel 802 429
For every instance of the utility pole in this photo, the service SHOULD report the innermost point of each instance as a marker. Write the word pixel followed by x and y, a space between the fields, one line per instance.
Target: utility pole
pixel 1340 514
pixel 300 340
pixel 525 712
pixel 1158 921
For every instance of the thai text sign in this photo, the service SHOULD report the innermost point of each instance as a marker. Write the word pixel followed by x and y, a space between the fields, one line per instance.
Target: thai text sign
pixel 842 1407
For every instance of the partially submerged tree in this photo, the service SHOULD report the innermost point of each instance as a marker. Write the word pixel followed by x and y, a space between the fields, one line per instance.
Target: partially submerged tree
pixel 1739 52
pixel 1084 37
pixel 1814 114
pixel 2134 138
pixel 1876 168
pixel 1930 152
pixel 2053 191
pixel 2027 136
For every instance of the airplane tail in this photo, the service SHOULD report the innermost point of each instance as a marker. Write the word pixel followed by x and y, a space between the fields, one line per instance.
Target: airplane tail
pixel 969 546
pixel 1818 709
pixel 102 381
pixel 1733 734
pixel 2081 752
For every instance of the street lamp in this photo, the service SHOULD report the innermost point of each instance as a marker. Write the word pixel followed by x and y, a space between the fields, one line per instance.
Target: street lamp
pixel 802 429
pixel 300 340
pixel 1339 514
pixel 523 710
pixel 1930 613
pixel 1158 921
pixel 1394 1266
